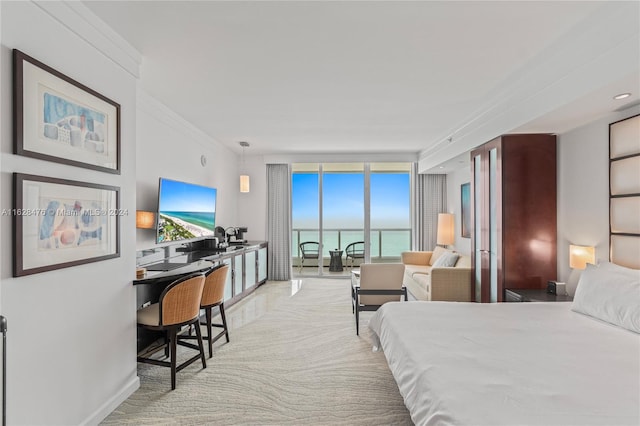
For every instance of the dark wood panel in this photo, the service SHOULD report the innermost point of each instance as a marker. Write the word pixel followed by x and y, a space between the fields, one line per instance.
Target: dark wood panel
pixel 530 206
pixel 525 206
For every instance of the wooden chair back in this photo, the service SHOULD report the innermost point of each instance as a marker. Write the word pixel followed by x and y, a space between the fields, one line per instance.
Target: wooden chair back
pixel 215 280
pixel 180 301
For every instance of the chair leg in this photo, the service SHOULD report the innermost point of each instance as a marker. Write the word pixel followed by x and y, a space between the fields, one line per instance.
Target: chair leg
pixel 357 319
pixel 173 338
pixel 224 322
pixel 353 300
pixel 201 345
pixel 167 351
pixel 207 312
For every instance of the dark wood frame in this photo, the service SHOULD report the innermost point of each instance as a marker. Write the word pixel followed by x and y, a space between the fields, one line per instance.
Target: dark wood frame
pixel 18 109
pixel 18 251
pixel 465 211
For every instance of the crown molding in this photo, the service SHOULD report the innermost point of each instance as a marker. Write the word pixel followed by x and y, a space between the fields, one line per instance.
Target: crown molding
pixel 150 105
pixel 79 19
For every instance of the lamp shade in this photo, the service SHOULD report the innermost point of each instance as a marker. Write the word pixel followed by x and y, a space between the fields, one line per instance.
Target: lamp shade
pixel 445 235
pixel 145 220
pixel 579 256
pixel 244 183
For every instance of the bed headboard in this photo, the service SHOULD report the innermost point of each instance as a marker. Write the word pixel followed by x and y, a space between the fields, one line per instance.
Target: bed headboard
pixel 624 192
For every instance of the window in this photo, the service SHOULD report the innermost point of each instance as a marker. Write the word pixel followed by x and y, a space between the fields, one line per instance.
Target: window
pixel 349 202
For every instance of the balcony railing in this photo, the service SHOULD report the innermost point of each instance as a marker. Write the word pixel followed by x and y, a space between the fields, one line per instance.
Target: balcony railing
pixel 386 244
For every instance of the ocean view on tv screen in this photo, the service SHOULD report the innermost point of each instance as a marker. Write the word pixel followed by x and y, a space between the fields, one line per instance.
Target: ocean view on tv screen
pixel 185 211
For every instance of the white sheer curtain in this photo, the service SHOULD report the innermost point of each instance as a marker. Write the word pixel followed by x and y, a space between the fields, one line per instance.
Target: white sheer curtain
pixel 279 221
pixel 431 199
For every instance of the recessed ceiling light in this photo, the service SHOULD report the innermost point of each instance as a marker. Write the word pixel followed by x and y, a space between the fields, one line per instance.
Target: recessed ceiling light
pixel 442 167
pixel 621 96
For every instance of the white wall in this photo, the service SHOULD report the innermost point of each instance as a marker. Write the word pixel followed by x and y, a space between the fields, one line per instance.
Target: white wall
pixel 169 146
pixel 454 180
pixel 72 336
pixel 583 192
pixel 252 206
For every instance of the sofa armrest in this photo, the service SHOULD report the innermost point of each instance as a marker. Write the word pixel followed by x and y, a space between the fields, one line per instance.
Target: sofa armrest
pixel 416 257
pixel 451 284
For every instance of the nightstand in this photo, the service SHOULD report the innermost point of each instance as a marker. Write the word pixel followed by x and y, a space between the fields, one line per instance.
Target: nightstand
pixel 533 295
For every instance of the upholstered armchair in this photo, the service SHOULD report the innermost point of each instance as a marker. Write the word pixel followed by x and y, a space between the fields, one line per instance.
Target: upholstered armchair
pixel 378 283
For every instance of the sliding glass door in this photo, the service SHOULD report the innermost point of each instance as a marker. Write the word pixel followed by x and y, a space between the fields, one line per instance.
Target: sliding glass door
pixel 390 210
pixel 343 206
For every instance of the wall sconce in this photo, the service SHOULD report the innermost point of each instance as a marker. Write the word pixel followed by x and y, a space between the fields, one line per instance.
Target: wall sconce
pixel 244 179
pixel 445 235
pixel 145 220
pixel 579 256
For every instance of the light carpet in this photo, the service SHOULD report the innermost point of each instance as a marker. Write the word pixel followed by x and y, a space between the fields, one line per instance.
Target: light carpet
pixel 299 364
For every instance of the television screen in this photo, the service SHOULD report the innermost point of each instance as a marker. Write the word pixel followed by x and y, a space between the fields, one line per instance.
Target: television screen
pixel 185 211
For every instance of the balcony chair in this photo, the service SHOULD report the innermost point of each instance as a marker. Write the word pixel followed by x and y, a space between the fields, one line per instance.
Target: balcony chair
pixel 212 296
pixel 308 250
pixel 379 283
pixel 354 251
pixel 179 305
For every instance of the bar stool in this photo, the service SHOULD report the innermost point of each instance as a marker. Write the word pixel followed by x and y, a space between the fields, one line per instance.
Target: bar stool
pixel 212 296
pixel 179 305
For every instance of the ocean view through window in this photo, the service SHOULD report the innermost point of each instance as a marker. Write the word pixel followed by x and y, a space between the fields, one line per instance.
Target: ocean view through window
pixel 338 199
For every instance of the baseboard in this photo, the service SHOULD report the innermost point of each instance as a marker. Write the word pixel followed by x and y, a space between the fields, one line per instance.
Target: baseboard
pixel 101 413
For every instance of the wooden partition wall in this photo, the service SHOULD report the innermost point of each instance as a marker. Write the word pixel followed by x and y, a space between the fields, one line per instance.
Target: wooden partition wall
pixel 513 191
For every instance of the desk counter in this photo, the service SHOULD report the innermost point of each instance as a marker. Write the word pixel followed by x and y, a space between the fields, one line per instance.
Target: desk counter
pixel 247 265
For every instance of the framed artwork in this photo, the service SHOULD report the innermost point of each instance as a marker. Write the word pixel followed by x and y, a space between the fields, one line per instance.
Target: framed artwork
pixel 58 119
pixel 465 203
pixel 60 223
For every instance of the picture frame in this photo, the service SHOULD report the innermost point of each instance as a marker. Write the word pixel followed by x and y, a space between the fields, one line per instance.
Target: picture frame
pixel 465 205
pixel 59 119
pixel 60 223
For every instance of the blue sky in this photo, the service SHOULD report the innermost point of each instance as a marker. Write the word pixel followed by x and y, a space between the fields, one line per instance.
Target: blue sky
pixel 343 200
pixel 186 197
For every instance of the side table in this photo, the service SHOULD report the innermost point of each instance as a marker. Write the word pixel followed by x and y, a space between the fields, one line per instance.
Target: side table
pixel 336 260
pixel 533 295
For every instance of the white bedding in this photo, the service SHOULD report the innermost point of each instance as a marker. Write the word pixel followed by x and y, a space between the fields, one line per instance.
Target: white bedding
pixel 509 364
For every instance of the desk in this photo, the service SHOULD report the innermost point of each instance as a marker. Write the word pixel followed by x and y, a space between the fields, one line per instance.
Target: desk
pixel 336 260
pixel 149 289
pixel 248 265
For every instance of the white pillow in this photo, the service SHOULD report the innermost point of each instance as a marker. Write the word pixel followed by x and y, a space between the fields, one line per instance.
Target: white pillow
pixel 610 295
pixel 447 260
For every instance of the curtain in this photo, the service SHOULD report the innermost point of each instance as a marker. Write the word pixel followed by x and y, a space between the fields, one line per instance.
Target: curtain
pixel 279 221
pixel 431 199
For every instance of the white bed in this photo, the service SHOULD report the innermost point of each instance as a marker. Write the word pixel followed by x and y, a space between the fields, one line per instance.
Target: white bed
pixel 510 364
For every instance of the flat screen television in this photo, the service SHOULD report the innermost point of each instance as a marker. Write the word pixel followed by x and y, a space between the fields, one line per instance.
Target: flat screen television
pixel 185 211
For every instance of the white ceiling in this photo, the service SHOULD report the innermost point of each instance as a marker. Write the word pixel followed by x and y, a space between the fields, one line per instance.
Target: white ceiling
pixel 301 77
